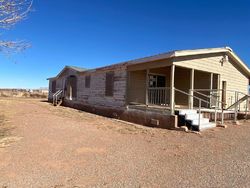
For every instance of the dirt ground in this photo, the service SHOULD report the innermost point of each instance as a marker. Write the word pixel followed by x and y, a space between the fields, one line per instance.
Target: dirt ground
pixel 46 146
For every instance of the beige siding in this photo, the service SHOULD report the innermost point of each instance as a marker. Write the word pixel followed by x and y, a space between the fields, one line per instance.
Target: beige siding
pixel 150 65
pixel 137 86
pixel 182 82
pixel 228 71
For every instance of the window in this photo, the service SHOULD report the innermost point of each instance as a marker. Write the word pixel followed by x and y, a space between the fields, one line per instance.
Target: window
pixel 109 87
pixel 53 86
pixel 157 81
pixel 87 81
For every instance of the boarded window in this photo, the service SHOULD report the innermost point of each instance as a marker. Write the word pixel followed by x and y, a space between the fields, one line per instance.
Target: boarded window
pixel 109 87
pixel 87 81
pixel 53 90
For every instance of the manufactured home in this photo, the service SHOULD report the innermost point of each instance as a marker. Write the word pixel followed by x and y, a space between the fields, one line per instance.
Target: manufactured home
pixel 195 88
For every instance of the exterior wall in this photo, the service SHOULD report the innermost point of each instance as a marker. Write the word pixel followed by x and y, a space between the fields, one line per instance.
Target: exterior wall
pixel 95 95
pixel 60 82
pixel 211 63
pixel 137 83
pixel 50 94
pixel 228 72
pixel 182 82
pixel 137 87
pixel 164 71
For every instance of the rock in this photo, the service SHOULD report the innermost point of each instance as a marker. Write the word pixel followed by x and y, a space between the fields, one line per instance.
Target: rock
pixel 223 126
pixel 182 128
pixel 237 123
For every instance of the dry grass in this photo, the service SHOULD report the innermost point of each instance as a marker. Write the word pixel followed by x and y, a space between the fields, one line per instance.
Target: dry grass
pixel 5 133
pixel 22 94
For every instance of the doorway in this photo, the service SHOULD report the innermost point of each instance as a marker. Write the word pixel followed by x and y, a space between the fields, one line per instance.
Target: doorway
pixel 71 87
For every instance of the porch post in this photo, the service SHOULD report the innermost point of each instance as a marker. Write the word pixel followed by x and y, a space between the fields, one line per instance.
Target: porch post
pixel 218 91
pixel 147 80
pixel 172 90
pixel 211 87
pixel 191 91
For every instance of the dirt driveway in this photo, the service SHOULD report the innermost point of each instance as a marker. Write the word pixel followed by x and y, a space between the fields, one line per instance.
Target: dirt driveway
pixel 45 146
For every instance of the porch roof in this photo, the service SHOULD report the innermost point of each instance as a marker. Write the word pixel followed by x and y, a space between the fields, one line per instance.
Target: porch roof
pixel 183 53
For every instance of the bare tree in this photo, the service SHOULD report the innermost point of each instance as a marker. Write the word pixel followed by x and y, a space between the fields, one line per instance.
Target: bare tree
pixel 11 13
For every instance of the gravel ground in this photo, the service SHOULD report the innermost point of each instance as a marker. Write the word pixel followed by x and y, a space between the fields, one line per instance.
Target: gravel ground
pixel 55 147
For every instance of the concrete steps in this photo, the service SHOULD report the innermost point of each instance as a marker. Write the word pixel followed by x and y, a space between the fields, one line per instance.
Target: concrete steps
pixel 191 118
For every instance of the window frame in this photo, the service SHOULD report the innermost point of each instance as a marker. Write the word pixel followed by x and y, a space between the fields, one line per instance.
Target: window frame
pixel 109 84
pixel 87 81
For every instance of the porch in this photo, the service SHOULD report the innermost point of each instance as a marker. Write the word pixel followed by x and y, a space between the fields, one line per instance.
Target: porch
pixel 172 87
pixel 191 93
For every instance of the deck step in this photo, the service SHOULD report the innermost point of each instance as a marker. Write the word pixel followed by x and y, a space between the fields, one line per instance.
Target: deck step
pixel 187 111
pixel 193 116
pixel 205 126
pixel 202 121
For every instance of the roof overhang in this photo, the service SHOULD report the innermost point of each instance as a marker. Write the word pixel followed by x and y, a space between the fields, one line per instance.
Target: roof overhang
pixel 77 69
pixel 180 53
pixel 184 53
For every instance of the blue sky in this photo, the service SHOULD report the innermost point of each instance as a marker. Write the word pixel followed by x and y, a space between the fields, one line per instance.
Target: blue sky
pixel 93 33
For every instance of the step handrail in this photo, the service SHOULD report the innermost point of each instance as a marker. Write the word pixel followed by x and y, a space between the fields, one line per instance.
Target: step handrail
pixel 55 96
pixel 199 99
pixel 237 102
pixel 191 95
pixel 208 96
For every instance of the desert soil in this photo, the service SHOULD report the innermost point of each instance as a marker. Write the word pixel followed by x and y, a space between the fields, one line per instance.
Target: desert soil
pixel 46 146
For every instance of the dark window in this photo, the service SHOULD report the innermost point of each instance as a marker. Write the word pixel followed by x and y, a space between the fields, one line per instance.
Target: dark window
pixel 74 86
pixel 53 86
pixel 87 81
pixel 157 81
pixel 109 87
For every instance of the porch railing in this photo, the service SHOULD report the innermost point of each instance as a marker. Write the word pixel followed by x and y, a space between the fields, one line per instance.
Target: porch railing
pixel 211 98
pixel 58 95
pixel 199 101
pixel 159 96
pixel 234 100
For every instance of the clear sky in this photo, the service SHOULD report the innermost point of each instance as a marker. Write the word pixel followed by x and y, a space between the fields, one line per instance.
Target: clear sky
pixel 94 33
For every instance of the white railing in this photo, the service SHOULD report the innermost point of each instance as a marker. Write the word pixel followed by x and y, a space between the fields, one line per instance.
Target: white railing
pixel 211 98
pixel 161 96
pixel 199 100
pixel 158 96
pixel 57 95
pixel 232 101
